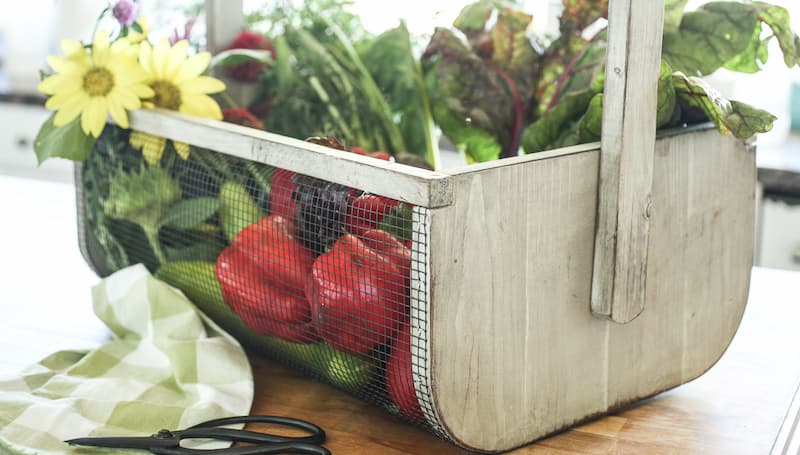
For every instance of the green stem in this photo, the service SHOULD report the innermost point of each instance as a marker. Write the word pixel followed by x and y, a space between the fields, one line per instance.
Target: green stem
pixel 227 101
pixel 258 176
pixel 151 232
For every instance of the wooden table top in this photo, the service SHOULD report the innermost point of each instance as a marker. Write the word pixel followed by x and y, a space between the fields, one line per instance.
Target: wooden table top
pixel 738 407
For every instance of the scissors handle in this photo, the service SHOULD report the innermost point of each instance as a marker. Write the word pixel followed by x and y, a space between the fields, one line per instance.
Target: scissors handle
pixel 210 429
pixel 277 448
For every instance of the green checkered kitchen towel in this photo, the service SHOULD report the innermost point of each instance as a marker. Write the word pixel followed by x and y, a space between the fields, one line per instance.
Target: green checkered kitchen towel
pixel 168 366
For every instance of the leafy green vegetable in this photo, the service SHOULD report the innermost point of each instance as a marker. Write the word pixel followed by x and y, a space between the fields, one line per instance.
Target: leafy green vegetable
pixel 323 88
pixel 67 141
pixel 391 62
pixel 551 127
pixel 482 89
pixel 721 32
pixel 673 13
pixel 752 59
pixel 734 117
pixel 143 198
pixel 189 213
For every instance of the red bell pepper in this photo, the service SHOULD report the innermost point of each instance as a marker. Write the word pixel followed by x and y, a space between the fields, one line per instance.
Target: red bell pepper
pixel 263 274
pixel 400 376
pixel 385 243
pixel 280 194
pixel 357 296
pixel 366 211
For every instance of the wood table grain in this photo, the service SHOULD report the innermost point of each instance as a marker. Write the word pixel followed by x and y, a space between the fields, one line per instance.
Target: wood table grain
pixel 738 407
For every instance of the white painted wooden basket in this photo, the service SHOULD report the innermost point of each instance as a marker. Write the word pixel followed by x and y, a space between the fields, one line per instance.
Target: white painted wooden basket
pixel 550 288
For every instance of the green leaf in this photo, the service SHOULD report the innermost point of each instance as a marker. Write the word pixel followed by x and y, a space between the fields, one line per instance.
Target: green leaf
pixel 591 124
pixel 777 18
pixel 753 58
pixel 730 117
pixel 709 37
pixel 512 51
pixel 579 14
pixel 544 133
pixel 470 102
pixel 473 17
pixel 398 222
pixel 673 13
pixel 667 99
pixel 725 31
pixel 207 250
pixel 390 60
pixel 66 141
pixel 233 57
pixel 189 213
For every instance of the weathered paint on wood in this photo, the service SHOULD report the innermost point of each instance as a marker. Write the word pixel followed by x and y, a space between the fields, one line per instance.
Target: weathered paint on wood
pixel 515 353
pixel 620 266
pixel 405 183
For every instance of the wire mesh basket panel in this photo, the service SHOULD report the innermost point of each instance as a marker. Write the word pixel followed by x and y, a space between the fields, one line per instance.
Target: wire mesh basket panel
pixel 313 273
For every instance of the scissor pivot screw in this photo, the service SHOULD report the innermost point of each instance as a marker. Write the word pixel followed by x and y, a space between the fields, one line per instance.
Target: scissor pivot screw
pixel 163 434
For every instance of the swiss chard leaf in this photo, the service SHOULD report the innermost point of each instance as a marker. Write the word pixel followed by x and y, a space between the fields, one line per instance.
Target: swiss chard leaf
pixel 673 12
pixel 752 59
pixel 546 132
pixel 482 89
pixel 470 103
pixel 66 141
pixel 719 32
pixel 390 61
pixel 730 117
pixel 579 14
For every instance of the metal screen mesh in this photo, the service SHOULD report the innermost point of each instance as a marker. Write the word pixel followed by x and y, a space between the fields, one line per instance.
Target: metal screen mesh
pixel 312 273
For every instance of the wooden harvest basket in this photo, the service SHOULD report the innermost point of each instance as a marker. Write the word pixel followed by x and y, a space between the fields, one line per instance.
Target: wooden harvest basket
pixel 544 292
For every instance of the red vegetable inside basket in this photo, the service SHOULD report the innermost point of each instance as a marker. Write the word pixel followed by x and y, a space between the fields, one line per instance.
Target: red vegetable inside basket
pixel 358 295
pixel 263 273
pixel 400 377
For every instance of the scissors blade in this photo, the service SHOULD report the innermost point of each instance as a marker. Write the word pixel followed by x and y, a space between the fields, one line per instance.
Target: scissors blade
pixel 141 442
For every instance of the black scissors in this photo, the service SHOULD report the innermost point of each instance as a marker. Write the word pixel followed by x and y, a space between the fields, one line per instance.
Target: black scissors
pixel 167 442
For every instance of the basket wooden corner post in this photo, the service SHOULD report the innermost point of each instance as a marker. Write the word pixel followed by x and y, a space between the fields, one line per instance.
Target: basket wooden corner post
pixel 566 284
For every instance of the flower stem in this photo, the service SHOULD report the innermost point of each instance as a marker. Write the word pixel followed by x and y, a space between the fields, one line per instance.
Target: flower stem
pixel 151 232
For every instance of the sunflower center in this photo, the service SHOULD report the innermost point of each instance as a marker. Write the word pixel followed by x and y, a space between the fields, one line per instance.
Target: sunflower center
pixel 167 95
pixel 98 82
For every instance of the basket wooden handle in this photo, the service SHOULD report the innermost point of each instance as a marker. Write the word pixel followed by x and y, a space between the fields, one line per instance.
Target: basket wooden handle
pixel 224 21
pixel 619 275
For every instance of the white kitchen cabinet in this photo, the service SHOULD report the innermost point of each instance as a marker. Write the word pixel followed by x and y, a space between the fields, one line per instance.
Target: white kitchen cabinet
pixel 20 123
pixel 779 227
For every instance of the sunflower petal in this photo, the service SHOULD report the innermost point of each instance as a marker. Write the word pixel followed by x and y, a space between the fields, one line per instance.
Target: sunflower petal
pixel 59 83
pixel 61 65
pixel 175 59
pixel 193 66
pixel 94 116
pixel 146 59
pixel 117 113
pixel 70 110
pixel 126 98
pixel 160 58
pixel 69 46
pixel 182 149
pixel 203 85
pixel 201 106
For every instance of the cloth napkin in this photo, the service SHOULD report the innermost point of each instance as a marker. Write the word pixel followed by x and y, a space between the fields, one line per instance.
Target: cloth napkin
pixel 168 366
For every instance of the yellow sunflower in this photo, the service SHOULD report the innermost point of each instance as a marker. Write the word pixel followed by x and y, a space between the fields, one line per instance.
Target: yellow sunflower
pixel 93 85
pixel 178 84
